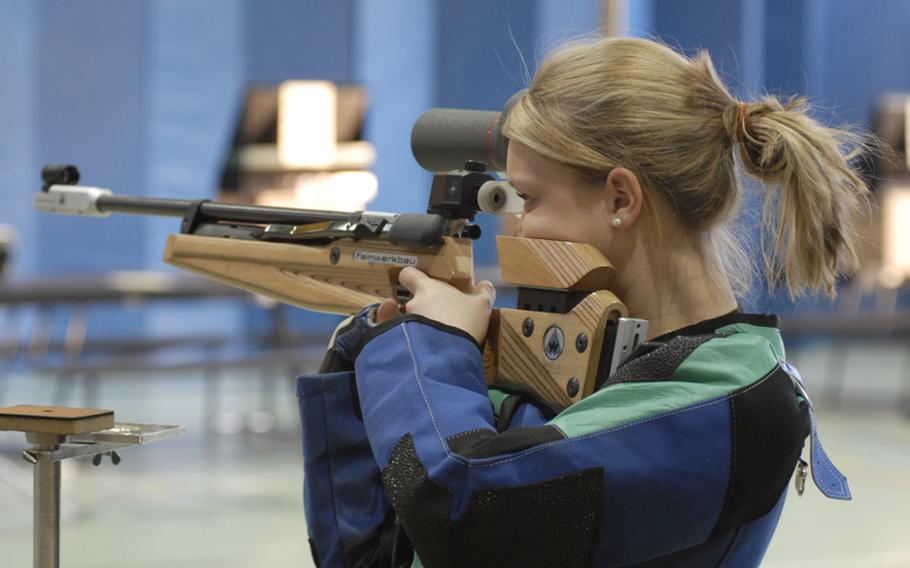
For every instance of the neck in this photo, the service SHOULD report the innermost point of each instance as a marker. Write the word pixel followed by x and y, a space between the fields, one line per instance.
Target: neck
pixel 675 288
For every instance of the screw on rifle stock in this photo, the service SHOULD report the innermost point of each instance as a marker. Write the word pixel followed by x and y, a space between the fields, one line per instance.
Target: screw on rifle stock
pixel 335 255
pixel 527 327
pixel 572 387
pixel 581 342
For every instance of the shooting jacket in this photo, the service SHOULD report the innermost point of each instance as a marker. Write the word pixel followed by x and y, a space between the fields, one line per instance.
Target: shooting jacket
pixel 681 458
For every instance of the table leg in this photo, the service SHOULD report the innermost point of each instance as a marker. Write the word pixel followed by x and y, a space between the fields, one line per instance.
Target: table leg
pixel 46 490
pixel 47 512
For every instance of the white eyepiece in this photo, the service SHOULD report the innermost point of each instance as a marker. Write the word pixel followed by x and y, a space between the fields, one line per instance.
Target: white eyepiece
pixel 499 198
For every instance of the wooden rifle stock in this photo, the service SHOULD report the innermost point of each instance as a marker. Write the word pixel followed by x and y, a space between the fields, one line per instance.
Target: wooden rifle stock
pixel 340 277
pixel 535 348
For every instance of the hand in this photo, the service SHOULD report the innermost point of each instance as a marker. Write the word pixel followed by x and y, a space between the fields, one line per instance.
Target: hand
pixel 444 303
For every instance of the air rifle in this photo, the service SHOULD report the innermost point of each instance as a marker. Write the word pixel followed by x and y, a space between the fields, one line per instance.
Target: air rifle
pixel 567 333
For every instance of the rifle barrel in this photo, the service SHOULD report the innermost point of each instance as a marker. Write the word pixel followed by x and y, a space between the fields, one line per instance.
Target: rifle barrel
pixel 143 205
pixel 215 211
pixel 410 229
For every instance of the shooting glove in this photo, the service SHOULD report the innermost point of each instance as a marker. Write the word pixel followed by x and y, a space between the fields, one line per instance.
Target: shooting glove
pixel 340 353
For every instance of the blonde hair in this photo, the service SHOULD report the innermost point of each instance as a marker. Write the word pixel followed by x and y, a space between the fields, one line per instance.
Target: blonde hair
pixel 596 105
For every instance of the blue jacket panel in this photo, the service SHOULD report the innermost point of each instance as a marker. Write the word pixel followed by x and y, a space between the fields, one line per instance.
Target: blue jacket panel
pixel 349 517
pixel 345 503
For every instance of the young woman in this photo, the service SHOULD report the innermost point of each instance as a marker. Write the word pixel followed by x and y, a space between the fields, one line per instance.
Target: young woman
pixel 683 457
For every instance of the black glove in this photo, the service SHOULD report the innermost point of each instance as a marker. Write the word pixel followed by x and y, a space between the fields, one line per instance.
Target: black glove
pixel 340 354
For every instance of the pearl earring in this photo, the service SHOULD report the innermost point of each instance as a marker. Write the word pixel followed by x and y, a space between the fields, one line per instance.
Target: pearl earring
pixel 617 221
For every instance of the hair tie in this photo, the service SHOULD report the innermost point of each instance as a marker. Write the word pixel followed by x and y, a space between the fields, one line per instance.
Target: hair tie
pixel 739 129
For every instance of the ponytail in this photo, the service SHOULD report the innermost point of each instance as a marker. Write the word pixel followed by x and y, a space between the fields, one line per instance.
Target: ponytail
pixel 812 193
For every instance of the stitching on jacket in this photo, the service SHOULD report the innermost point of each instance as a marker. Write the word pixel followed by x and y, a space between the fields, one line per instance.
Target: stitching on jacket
pixel 732 491
pixel 426 401
pixel 466 432
pixel 828 465
pixel 449 454
pixel 536 449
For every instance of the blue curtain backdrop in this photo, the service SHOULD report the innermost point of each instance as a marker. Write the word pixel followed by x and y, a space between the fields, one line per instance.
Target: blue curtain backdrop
pixel 143 95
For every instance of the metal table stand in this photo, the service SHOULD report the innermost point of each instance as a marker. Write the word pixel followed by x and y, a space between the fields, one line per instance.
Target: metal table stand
pixel 56 434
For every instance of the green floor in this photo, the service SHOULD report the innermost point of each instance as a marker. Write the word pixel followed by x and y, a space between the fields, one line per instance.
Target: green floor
pixel 234 500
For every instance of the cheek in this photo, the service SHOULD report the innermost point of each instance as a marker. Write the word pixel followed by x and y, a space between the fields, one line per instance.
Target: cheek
pixel 593 229
pixel 537 226
pixel 591 223
pixel 578 226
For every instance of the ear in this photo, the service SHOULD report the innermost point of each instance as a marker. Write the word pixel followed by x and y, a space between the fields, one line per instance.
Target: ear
pixel 624 195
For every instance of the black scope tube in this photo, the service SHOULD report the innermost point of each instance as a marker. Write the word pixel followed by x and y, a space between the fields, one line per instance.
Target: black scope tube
pixel 443 139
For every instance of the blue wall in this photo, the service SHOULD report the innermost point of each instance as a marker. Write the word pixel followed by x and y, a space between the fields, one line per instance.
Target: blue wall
pixel 861 52
pixel 142 95
pixel 195 67
pixel 18 91
pixel 303 39
pixel 394 60
pixel 731 30
pixel 90 92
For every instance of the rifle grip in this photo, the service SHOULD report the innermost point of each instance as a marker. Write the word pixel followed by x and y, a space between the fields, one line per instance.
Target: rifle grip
pixel 543 353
